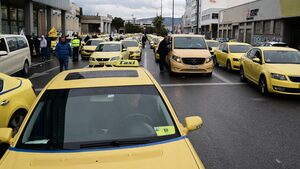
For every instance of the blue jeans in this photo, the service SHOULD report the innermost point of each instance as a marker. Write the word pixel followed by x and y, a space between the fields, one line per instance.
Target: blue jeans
pixel 63 63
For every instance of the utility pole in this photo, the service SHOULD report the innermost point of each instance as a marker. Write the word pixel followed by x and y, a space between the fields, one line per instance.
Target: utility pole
pixel 197 16
pixel 173 18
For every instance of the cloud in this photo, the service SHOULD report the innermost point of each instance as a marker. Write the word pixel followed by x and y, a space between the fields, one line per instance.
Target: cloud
pixel 130 8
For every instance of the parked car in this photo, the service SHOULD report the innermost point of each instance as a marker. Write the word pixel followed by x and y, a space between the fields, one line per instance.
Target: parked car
pixel 14 54
pixel 277 44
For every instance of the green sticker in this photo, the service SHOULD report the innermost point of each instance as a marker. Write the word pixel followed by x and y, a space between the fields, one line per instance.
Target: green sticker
pixel 164 130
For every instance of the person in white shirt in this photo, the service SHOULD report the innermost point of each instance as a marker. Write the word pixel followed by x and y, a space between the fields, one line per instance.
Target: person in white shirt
pixel 43 46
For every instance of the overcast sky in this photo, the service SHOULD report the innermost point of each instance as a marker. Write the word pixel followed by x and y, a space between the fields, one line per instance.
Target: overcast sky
pixel 127 8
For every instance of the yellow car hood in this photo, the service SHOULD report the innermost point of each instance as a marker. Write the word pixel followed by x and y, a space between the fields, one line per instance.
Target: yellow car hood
pixel 168 155
pixel 105 54
pixel 287 69
pixel 186 53
pixel 91 48
pixel 133 49
pixel 237 55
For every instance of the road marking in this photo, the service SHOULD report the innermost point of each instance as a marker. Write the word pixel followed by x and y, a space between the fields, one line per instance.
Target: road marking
pixel 278 161
pixel 201 84
pixel 222 78
pixel 145 59
pixel 35 75
pixel 40 63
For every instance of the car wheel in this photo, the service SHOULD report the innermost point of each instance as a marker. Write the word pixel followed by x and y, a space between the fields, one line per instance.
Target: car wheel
pixel 16 120
pixel 228 66
pixel 25 70
pixel 263 87
pixel 215 61
pixel 209 74
pixel 242 75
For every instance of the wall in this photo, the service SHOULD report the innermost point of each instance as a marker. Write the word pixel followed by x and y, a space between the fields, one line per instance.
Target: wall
pixel 59 4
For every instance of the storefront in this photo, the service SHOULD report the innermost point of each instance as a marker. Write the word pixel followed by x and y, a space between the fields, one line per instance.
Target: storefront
pixel 260 21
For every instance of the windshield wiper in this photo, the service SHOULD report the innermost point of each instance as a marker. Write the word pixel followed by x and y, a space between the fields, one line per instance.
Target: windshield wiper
pixel 114 143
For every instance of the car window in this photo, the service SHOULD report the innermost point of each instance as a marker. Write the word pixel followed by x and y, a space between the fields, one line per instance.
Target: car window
pixel 189 43
pixel 282 57
pixel 239 48
pixel 87 118
pixel 1 85
pixel 221 47
pixel 212 44
pixel 22 43
pixel 12 44
pixel 108 48
pixel 251 54
pixel 3 45
pixel 225 48
pixel 131 43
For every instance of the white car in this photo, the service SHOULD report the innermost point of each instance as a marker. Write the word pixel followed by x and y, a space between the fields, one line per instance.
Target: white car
pixel 14 54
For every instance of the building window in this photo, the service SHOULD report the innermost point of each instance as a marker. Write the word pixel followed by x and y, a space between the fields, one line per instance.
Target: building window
pixel 241 35
pixel 4 12
pixel 267 27
pixel 257 28
pixel 13 14
pixel 215 16
pixel 277 27
pixel 20 15
pixel 248 35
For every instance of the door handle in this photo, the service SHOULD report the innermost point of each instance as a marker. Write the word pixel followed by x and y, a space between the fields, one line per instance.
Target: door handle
pixel 4 102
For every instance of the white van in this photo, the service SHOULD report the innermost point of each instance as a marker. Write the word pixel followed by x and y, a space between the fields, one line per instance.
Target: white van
pixel 14 54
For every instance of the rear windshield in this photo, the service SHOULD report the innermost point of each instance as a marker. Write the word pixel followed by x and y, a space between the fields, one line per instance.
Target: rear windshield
pixel 131 43
pixel 109 48
pixel 98 117
pixel 93 42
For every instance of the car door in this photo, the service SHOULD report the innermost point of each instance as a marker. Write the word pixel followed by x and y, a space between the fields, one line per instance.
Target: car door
pixel 257 67
pixel 13 59
pixel 218 53
pixel 247 64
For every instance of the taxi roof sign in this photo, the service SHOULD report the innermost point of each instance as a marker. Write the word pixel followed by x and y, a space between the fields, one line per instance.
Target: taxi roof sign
pixel 127 63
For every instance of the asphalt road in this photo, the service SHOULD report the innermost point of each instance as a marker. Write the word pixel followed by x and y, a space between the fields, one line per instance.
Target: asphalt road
pixel 242 129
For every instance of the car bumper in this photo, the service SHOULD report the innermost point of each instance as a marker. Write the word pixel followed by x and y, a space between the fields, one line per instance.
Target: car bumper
pixel 284 87
pixel 101 64
pixel 86 54
pixel 184 68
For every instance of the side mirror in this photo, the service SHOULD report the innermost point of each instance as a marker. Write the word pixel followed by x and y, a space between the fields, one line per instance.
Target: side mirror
pixel 3 53
pixel 193 123
pixel 256 60
pixel 225 51
pixel 124 50
pixel 6 134
pixel 210 48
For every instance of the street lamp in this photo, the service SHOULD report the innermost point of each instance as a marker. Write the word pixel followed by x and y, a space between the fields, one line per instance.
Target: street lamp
pixel 197 17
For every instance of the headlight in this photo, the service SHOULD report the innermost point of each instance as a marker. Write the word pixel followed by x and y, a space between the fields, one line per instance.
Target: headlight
pixel 115 58
pixel 278 76
pixel 236 59
pixel 209 59
pixel 177 59
pixel 92 59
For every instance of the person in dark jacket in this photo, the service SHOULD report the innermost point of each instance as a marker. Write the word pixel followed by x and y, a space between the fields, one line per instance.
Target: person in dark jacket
pixel 36 43
pixel 63 51
pixel 163 51
pixel 48 48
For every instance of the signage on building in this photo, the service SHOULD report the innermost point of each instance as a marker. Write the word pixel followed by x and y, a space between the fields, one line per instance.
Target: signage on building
pixel 252 13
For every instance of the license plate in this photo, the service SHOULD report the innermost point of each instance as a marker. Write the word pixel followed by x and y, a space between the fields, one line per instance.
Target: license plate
pixel 299 86
pixel 194 67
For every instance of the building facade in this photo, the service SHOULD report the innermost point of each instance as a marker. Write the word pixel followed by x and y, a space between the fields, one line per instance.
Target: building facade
pixel 261 21
pixel 94 24
pixel 34 16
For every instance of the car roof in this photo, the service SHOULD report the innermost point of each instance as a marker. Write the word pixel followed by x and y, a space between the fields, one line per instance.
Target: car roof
pixel 101 77
pixel 276 43
pixel 272 48
pixel 236 43
pixel 11 35
pixel 95 39
pixel 112 42
pixel 211 41
pixel 187 35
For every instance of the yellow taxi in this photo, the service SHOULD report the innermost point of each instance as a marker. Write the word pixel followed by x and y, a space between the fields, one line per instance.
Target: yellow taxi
pixel 189 54
pixel 108 53
pixel 229 54
pixel 273 69
pixel 156 49
pixel 212 45
pixel 89 47
pixel 134 49
pixel 102 118
pixel 16 97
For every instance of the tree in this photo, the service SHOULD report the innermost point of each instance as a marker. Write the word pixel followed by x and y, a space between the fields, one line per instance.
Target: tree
pixel 158 24
pixel 117 23
pixel 131 28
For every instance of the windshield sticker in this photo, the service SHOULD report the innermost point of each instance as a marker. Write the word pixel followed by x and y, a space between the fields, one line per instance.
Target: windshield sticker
pixel 164 130
pixel 37 142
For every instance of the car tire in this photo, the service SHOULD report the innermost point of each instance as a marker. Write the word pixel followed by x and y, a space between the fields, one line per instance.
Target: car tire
pixel 16 120
pixel 242 75
pixel 209 74
pixel 263 87
pixel 25 70
pixel 215 61
pixel 228 66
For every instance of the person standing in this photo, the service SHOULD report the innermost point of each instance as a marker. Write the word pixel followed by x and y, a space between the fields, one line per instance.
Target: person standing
pixel 75 45
pixel 63 52
pixel 144 39
pixel 43 46
pixel 110 38
pixel 163 51
pixel 48 48
pixel 36 42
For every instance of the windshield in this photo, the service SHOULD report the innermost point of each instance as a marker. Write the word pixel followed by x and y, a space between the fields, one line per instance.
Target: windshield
pixel 108 48
pixel 1 85
pixel 85 118
pixel 282 57
pixel 239 48
pixel 212 44
pixel 189 43
pixel 93 42
pixel 131 43
pixel 280 45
